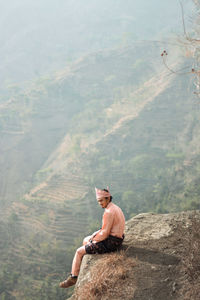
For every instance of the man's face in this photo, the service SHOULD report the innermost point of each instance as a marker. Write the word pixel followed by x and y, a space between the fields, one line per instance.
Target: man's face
pixel 103 202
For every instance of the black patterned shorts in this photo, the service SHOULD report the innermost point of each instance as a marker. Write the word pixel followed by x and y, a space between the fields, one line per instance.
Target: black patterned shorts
pixel 111 244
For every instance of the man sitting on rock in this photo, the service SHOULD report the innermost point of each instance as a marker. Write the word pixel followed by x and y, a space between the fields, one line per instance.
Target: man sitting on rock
pixel 109 238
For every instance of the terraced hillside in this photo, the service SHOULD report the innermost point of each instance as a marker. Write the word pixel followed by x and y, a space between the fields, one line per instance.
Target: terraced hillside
pixel 158 158
pixel 39 235
pixel 57 118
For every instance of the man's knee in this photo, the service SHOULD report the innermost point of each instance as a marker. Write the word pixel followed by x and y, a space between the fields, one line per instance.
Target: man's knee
pixel 86 240
pixel 81 251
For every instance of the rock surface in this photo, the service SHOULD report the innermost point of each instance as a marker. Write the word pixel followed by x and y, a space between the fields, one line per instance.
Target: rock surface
pixel 156 245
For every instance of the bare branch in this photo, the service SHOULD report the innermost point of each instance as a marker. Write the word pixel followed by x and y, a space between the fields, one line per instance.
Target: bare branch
pixel 164 55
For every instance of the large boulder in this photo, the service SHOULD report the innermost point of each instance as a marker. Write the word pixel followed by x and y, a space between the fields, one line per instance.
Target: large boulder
pixel 159 260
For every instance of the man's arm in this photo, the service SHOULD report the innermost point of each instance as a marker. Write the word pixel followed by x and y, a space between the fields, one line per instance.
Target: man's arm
pixel 95 233
pixel 104 232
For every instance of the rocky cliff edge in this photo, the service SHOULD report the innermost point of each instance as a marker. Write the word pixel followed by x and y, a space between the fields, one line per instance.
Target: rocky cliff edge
pixel 159 260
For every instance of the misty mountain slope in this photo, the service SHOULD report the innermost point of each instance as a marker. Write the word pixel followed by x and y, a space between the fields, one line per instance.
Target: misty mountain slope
pixel 28 133
pixel 38 37
pixel 34 122
pixel 126 110
pixel 113 97
pixel 153 159
pixel 149 151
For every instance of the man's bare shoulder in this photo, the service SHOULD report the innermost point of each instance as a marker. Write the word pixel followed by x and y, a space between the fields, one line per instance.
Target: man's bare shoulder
pixel 111 208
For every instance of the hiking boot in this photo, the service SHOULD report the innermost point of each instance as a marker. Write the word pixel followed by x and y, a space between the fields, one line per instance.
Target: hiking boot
pixel 70 281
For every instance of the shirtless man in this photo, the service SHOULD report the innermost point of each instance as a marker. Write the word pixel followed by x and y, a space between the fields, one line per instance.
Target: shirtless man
pixel 108 239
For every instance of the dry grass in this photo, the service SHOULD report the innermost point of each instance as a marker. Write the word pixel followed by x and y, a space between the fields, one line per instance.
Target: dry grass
pixel 110 279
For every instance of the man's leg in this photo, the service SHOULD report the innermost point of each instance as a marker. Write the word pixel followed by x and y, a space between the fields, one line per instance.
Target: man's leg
pixel 76 264
pixel 71 280
pixel 80 252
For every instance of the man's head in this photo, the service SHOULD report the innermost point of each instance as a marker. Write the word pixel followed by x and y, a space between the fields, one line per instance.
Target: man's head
pixel 103 197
